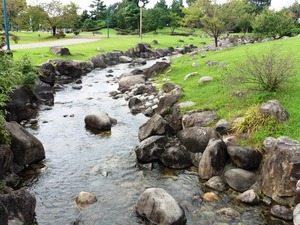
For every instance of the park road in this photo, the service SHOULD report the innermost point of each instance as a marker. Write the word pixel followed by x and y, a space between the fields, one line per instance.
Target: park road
pixel 59 42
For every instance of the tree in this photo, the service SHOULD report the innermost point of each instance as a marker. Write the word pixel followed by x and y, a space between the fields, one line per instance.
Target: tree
pixel 162 5
pixel 59 15
pixel 14 8
pixel 260 5
pixel 98 11
pixel 273 24
pixel 176 8
pixel 32 18
pixel 174 21
pixel 154 18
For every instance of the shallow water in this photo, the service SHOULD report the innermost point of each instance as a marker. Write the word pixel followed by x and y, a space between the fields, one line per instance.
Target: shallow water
pixel 77 160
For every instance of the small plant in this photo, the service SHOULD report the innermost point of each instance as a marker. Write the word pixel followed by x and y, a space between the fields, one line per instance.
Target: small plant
pixel 76 32
pixel 15 38
pixel 266 71
pixel 4 134
pixel 257 124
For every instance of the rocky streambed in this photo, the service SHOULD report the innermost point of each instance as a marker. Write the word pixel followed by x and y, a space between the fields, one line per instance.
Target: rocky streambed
pixel 184 157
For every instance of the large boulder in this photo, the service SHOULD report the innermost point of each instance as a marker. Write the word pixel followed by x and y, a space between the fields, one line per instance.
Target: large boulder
pixel 99 121
pixel 98 61
pixel 166 103
pixel 58 50
pixel 275 109
pixel 280 172
pixel 48 73
pixel 196 139
pixel 213 160
pixel 155 69
pixel 239 179
pixel 44 93
pixel 127 81
pixel 84 199
pixel 244 157
pixel 3 215
pixel 68 67
pixel 20 106
pixel 201 118
pixel 6 158
pixel 156 125
pixel 20 206
pixel 176 157
pixel 159 207
pixel 150 148
pixel 26 148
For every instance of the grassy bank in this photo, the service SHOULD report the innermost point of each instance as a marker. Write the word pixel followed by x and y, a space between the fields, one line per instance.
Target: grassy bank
pixel 219 94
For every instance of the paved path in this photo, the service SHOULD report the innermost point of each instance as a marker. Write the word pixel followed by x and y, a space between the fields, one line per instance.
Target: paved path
pixel 69 41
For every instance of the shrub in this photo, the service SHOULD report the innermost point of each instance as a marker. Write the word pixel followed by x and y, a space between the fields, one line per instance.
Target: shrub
pixel 266 71
pixel 15 38
pixel 20 72
pixel 76 32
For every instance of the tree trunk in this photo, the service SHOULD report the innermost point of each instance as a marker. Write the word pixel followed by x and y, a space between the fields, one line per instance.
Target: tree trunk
pixel 53 30
pixel 216 41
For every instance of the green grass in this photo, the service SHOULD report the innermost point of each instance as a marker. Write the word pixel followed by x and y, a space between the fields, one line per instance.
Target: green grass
pixel 86 50
pixel 219 94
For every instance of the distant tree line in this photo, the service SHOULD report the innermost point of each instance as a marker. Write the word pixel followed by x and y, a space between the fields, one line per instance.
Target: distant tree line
pixel 213 18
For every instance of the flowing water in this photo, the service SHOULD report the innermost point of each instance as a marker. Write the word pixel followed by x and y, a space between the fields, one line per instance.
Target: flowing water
pixel 104 164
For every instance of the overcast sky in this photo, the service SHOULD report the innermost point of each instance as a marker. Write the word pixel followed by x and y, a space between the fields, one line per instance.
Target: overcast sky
pixel 84 4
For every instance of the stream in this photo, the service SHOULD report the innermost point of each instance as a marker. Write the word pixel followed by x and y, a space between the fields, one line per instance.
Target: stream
pixel 105 165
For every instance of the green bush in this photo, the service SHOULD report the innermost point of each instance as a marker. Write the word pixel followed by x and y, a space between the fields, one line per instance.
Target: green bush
pixel 266 71
pixel 15 38
pixel 76 32
pixel 295 30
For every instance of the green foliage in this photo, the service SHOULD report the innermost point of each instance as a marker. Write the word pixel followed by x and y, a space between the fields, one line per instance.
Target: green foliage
pixel 257 124
pixel 76 32
pixel 15 38
pixel 273 24
pixel 295 30
pixel 4 134
pixel 266 71
pixel 20 72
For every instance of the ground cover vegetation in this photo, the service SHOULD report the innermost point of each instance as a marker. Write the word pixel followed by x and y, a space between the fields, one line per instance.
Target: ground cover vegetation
pixel 201 20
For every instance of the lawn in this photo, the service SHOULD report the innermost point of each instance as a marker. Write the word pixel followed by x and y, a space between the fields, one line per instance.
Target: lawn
pixel 220 95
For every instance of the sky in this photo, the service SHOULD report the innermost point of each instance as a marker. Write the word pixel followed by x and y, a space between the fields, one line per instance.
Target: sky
pixel 84 4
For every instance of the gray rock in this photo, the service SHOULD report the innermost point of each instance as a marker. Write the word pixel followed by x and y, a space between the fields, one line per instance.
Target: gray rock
pixel 125 59
pixel 196 139
pixel 6 158
pixel 3 215
pixel 77 86
pixel 250 197
pixel 213 160
pixel 296 215
pixel 282 212
pixel 280 172
pixel 155 69
pixel 190 75
pixel 244 157
pixel 100 121
pixel 201 118
pixel 26 148
pixel 98 61
pixel 269 144
pixel 168 87
pixel 275 109
pixel 239 179
pixel 156 125
pixel 216 183
pixel 205 79
pixel 57 50
pixel 20 206
pixel 128 81
pixel 150 148
pixel 166 103
pixel 228 214
pixel 195 65
pixel 196 157
pixel 84 199
pixel 176 157
pixel 159 207
pixel 223 127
